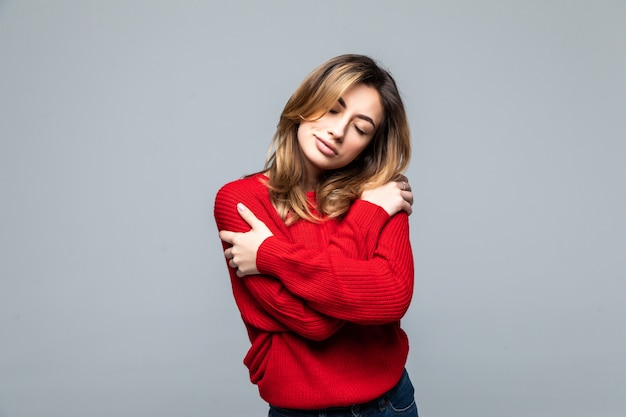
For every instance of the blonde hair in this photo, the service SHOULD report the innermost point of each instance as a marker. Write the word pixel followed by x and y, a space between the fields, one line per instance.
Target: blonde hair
pixel 384 159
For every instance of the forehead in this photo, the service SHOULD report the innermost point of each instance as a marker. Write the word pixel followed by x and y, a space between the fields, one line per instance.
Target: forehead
pixel 365 100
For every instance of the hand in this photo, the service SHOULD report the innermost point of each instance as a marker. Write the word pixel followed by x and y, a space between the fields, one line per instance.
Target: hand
pixel 393 196
pixel 242 253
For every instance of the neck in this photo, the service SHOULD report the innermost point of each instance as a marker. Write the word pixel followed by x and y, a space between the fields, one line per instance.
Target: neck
pixel 310 181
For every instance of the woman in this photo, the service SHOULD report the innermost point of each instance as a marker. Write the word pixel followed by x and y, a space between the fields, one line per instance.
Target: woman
pixel 318 248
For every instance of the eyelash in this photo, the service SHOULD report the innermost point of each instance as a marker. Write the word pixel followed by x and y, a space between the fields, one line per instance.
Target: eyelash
pixel 359 131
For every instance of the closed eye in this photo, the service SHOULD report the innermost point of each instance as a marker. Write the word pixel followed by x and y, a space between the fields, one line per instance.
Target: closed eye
pixel 359 131
pixel 336 109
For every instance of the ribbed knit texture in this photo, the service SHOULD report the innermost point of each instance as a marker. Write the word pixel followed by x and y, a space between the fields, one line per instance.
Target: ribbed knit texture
pixel 323 316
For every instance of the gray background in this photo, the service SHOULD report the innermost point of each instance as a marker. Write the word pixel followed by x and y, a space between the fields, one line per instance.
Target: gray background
pixel 119 120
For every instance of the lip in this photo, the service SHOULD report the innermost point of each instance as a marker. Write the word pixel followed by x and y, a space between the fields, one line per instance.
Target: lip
pixel 327 148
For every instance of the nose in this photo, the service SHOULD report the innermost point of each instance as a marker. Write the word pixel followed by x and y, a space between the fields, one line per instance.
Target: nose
pixel 337 130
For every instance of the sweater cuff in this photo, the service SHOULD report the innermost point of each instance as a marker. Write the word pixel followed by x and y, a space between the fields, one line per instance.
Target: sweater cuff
pixel 367 220
pixel 268 257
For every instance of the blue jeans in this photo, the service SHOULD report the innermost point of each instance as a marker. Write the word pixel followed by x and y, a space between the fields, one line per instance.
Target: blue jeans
pixel 399 401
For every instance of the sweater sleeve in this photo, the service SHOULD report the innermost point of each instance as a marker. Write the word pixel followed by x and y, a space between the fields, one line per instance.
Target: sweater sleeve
pixel 370 284
pixel 265 291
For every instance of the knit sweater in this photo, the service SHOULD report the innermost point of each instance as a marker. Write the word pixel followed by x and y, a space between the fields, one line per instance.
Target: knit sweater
pixel 323 315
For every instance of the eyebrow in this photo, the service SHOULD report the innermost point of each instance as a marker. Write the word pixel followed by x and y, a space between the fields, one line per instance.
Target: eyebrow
pixel 360 116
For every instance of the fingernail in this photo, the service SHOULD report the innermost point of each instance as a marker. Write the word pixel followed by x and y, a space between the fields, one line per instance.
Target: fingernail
pixel 241 207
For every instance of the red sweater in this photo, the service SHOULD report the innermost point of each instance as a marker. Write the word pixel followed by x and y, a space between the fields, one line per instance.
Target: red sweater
pixel 323 315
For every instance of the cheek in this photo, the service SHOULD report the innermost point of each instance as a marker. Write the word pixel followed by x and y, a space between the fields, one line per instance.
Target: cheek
pixel 300 135
pixel 303 130
pixel 356 152
pixel 361 146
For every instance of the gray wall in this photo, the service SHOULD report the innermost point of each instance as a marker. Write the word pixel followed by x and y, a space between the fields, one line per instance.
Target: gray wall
pixel 120 120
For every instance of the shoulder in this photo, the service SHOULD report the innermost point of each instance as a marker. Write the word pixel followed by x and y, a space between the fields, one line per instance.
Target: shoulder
pixel 253 184
pixel 249 190
pixel 253 192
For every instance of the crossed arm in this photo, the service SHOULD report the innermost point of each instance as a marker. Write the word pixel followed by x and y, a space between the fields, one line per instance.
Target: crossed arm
pixel 242 254
pixel 313 298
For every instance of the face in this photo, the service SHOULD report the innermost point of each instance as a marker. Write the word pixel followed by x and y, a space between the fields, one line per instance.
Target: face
pixel 340 135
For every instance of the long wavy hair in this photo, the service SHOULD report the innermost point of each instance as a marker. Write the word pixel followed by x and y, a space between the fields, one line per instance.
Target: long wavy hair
pixel 383 160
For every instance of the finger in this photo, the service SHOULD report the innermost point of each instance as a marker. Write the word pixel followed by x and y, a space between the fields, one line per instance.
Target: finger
pixel 247 215
pixel 408 208
pixel 403 180
pixel 404 185
pixel 232 264
pixel 227 236
pixel 228 253
pixel 408 197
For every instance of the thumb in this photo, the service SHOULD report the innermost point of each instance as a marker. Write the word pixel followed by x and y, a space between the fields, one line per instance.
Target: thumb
pixel 247 215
